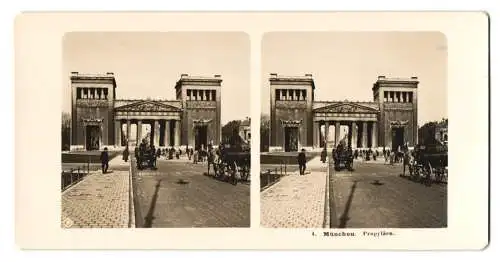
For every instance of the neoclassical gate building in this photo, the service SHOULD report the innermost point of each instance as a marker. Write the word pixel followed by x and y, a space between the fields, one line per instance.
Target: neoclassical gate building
pixel 298 120
pixel 99 119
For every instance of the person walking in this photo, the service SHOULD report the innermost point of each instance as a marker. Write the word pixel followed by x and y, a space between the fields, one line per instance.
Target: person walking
pixel 301 159
pixel 104 160
pixel 406 161
pixel 211 159
pixel 195 157
pixel 125 154
pixel 323 155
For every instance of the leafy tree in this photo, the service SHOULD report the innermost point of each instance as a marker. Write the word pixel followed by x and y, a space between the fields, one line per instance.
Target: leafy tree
pixel 265 124
pixel 230 132
pixel 426 133
pixel 65 131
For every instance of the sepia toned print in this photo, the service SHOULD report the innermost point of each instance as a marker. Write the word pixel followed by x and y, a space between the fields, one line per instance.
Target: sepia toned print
pixel 150 136
pixel 360 139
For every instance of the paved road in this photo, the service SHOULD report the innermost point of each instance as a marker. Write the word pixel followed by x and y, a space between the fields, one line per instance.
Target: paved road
pixel 178 194
pixel 99 200
pixel 296 201
pixel 375 196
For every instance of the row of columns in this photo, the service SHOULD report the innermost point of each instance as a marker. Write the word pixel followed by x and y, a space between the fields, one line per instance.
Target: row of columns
pixel 398 97
pixel 354 128
pixel 92 93
pixel 291 94
pixel 156 133
pixel 201 95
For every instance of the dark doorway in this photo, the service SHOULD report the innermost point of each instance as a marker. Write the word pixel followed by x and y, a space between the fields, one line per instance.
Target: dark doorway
pixel 397 138
pixel 200 136
pixel 291 139
pixel 92 137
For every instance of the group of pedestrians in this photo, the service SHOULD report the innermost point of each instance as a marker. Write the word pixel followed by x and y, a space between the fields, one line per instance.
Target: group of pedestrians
pixel 366 154
pixel 395 156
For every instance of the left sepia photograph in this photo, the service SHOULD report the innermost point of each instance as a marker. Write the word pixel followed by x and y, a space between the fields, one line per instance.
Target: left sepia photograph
pixel 155 130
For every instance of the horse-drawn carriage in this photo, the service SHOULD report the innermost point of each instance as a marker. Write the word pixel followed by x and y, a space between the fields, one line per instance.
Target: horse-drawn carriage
pixel 230 161
pixel 430 163
pixel 343 157
pixel 145 156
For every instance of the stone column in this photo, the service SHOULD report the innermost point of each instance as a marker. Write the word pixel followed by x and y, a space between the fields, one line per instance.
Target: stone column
pixel 327 127
pixel 128 132
pixel 316 134
pixel 118 133
pixel 156 137
pixel 374 134
pixel 365 135
pixel 166 134
pixel 354 135
pixel 139 132
pixel 177 133
pixel 337 133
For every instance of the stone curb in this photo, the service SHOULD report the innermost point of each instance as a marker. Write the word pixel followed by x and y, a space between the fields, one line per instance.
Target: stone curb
pixel 332 214
pixel 131 223
pixel 326 218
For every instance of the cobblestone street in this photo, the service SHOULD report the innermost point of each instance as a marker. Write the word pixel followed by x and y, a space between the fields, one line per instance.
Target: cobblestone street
pixel 296 201
pixel 375 196
pixel 99 200
pixel 372 196
pixel 178 194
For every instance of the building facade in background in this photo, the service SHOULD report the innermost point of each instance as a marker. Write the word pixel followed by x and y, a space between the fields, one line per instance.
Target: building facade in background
pixel 245 130
pixel 441 132
pixel 99 119
pixel 299 120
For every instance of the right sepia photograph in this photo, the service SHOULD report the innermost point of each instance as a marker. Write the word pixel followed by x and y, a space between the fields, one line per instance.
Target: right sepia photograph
pixel 354 130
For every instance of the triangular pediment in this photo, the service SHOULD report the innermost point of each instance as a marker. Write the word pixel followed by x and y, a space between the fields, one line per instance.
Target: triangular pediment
pixel 148 106
pixel 346 107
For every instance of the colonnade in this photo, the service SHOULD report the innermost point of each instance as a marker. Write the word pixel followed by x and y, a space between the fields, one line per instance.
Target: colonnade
pixel 164 133
pixel 291 94
pixel 398 97
pixel 362 134
pixel 92 93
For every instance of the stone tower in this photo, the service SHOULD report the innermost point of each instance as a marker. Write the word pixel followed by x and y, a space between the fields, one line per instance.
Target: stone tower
pixel 398 119
pixel 201 101
pixel 92 105
pixel 291 101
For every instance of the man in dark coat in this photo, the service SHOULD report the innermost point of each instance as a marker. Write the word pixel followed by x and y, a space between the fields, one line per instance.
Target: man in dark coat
pixel 125 154
pixel 323 155
pixel 105 160
pixel 301 159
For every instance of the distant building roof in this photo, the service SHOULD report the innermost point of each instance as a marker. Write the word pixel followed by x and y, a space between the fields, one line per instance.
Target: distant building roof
pixel 245 122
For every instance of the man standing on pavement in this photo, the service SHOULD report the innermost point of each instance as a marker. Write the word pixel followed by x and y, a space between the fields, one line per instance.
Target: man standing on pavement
pixel 302 161
pixel 104 160
pixel 125 154
pixel 406 161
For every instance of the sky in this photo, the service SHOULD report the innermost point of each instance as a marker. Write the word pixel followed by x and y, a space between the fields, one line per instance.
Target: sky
pixel 345 65
pixel 148 64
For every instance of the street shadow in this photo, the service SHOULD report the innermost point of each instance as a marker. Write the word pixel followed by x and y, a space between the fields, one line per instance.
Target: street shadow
pixel 345 216
pixel 148 223
pixel 376 183
pixel 182 182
